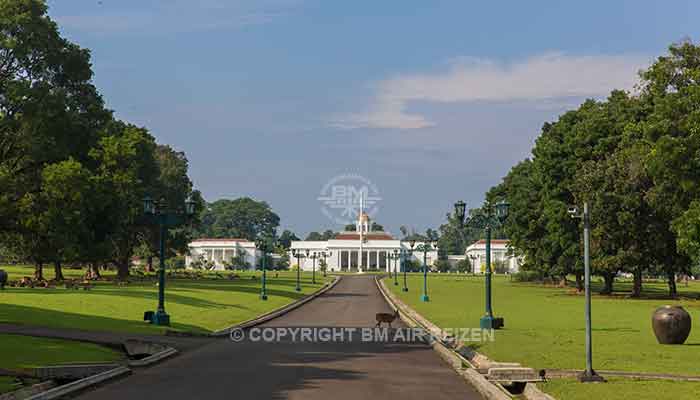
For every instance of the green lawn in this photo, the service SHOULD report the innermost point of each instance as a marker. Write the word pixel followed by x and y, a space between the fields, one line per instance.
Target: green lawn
pixel 7 384
pixel 544 326
pixel 202 305
pixel 624 389
pixel 26 352
pixel 22 353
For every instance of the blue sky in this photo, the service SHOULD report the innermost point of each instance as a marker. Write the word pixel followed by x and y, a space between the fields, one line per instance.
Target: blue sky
pixel 432 101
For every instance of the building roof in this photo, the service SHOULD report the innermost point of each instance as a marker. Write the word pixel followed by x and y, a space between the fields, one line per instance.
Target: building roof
pixel 493 241
pixel 220 240
pixel 368 236
pixel 364 217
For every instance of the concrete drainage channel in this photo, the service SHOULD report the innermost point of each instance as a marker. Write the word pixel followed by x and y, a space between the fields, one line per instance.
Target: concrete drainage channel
pixel 493 380
pixel 59 381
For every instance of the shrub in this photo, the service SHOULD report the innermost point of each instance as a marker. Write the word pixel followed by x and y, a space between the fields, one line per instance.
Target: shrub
pixel 464 266
pixel 442 265
pixel 527 276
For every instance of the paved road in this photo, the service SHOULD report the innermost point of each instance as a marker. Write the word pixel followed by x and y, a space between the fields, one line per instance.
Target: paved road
pixel 308 371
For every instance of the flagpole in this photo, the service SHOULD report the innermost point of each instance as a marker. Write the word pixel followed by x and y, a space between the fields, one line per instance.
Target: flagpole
pixel 362 230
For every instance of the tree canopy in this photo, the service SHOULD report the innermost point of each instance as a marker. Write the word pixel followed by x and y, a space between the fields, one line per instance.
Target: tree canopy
pixel 72 177
pixel 240 218
pixel 634 159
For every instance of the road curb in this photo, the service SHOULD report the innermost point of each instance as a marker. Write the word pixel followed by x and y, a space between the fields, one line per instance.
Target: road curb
pixel 154 358
pixel 411 318
pixel 278 312
pixel 80 384
pixel 532 392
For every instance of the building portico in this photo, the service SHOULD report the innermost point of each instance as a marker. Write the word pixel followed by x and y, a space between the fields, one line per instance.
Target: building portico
pixel 361 250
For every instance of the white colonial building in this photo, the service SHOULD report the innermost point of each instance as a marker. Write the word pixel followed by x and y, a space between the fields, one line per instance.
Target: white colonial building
pixel 476 254
pixel 216 254
pixel 361 250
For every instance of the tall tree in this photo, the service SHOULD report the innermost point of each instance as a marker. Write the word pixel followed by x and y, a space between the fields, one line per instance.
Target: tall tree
pixel 671 93
pixel 173 185
pixel 239 218
pixel 49 109
pixel 286 238
pixel 127 171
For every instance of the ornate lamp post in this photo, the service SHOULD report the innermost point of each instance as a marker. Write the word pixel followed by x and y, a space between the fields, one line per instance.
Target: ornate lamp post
pixel 494 216
pixel 589 375
pixel 264 244
pixel 395 256
pixel 425 248
pixel 298 254
pixel 409 252
pixel 159 213
pixel 313 256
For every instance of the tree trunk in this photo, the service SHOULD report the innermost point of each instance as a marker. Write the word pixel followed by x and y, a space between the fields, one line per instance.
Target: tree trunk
pixel 58 271
pixel 579 282
pixel 672 290
pixel 562 281
pixel 149 266
pixel 123 269
pixel 609 282
pixel 39 271
pixel 93 271
pixel 637 287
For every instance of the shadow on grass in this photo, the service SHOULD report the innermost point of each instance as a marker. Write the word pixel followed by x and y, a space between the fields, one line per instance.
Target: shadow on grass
pixel 623 290
pixel 25 315
pixel 148 291
pixel 133 293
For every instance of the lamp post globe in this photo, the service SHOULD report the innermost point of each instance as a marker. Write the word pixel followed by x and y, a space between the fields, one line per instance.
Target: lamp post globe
pixel 149 207
pixel 460 209
pixel 189 206
pixel 502 208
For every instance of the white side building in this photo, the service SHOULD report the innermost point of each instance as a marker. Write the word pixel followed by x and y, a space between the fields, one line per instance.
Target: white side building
pixel 215 254
pixel 476 254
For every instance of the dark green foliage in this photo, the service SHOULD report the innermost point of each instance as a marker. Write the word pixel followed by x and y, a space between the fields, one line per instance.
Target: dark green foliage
pixel 243 218
pixel 636 161
pixel 72 178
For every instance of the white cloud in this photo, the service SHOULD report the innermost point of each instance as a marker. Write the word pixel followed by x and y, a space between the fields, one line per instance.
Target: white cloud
pixel 544 77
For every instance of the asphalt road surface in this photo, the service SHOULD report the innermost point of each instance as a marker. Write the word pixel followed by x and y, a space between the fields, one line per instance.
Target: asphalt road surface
pixel 287 369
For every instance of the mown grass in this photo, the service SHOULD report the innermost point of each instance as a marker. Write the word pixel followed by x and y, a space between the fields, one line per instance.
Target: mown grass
pixel 7 384
pixel 27 352
pixel 201 305
pixel 622 389
pixel 544 326
pixel 22 353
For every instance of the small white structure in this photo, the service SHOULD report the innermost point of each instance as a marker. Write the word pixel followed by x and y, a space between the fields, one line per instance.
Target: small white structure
pixel 216 254
pixel 476 254
pixel 455 259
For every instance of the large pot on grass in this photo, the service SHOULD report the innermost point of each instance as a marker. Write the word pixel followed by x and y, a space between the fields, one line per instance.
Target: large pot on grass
pixel 3 279
pixel 671 324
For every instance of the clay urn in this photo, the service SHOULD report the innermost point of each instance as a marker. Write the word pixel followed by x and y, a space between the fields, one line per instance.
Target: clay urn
pixel 671 324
